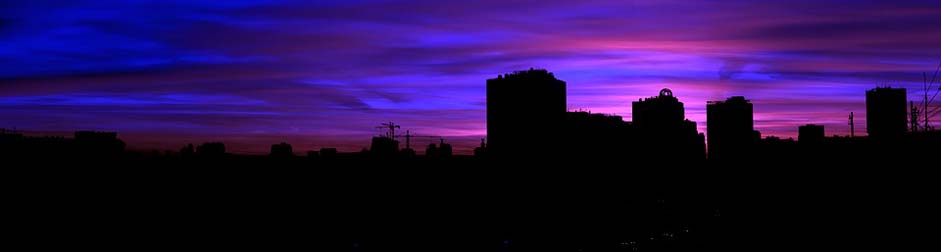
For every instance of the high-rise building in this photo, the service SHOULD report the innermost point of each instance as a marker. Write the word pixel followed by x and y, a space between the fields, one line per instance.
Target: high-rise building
pixel 886 114
pixel 730 128
pixel 663 129
pixel 660 112
pixel 525 112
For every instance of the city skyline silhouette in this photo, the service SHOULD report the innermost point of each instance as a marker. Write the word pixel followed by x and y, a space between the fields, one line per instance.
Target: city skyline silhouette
pixel 477 126
pixel 542 128
pixel 733 127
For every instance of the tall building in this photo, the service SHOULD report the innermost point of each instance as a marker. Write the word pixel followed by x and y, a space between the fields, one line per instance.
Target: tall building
pixel 886 115
pixel 525 112
pixel 730 128
pixel 658 112
pixel 664 131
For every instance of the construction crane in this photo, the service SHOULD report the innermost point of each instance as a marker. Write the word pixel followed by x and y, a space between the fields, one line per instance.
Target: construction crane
pixel 388 130
pixel 388 126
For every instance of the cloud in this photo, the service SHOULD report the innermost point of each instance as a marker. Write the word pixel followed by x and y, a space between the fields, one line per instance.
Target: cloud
pixel 250 70
pixel 730 68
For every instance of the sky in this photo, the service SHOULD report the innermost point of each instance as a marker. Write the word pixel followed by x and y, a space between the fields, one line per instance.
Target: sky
pixel 326 73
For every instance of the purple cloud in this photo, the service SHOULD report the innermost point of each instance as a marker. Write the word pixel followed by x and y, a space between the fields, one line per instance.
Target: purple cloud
pixel 323 73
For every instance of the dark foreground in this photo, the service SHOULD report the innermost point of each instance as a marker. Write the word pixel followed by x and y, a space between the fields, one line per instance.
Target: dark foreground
pixel 257 203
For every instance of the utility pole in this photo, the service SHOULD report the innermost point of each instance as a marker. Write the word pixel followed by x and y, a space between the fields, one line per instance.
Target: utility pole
pixel 913 117
pixel 408 139
pixel 852 126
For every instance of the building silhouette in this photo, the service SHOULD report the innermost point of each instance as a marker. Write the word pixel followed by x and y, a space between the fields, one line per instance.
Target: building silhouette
pixel 812 142
pixel 327 153
pixel 659 112
pixel 590 136
pixel 886 115
pixel 664 131
pixel 188 151
pixel 211 150
pixel 481 151
pixel 525 113
pixel 441 151
pixel 281 150
pixel 384 147
pixel 96 143
pixel 810 134
pixel 730 128
pixel 773 148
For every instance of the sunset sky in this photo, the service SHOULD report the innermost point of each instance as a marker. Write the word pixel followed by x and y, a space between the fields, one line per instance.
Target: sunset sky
pixel 325 73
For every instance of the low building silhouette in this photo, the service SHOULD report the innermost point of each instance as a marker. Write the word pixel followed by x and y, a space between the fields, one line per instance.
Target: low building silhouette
pixel 211 150
pixel 407 153
pixel 597 137
pixel 96 143
pixel 11 143
pixel 88 145
pixel 773 148
pixel 281 150
pixel 188 151
pixel 481 151
pixel 441 151
pixel 383 147
pixel 328 154
pixel 810 135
